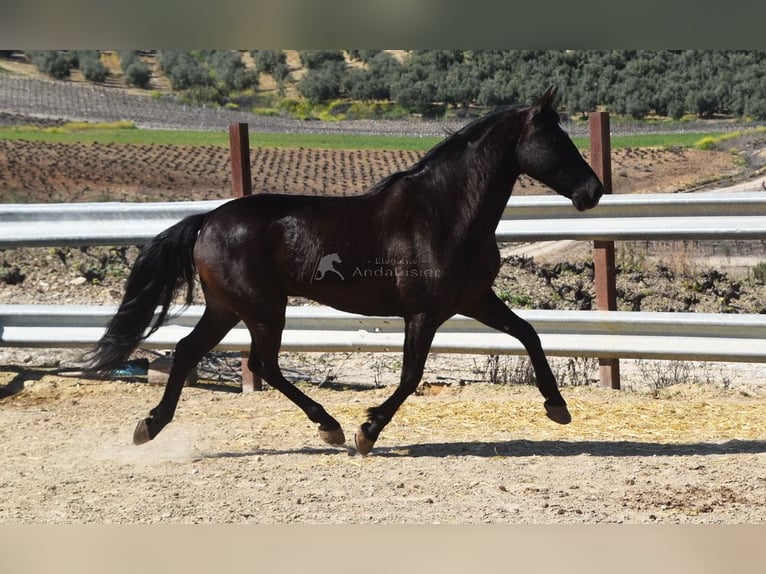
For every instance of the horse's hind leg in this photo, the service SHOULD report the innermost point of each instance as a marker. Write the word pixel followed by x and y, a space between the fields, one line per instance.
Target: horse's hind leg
pixel 211 328
pixel 494 313
pixel 264 361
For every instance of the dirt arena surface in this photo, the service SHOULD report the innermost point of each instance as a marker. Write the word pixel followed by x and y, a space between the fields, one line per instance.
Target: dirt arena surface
pixel 470 454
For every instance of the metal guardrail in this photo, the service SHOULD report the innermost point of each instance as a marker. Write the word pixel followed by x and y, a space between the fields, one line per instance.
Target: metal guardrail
pixel 738 215
pixel 75 224
pixel 687 336
pixel 705 215
pixel 682 336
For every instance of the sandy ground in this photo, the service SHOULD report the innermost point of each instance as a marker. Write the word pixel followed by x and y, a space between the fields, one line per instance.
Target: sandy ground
pixel 466 454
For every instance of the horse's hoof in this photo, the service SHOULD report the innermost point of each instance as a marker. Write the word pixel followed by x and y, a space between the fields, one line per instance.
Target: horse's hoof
pixel 333 437
pixel 363 444
pixel 141 434
pixel 559 414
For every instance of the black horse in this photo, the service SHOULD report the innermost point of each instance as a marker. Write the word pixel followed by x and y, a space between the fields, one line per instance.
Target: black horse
pixel 419 245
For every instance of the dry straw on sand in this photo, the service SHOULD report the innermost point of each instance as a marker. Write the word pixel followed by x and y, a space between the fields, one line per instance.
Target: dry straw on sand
pixel 474 413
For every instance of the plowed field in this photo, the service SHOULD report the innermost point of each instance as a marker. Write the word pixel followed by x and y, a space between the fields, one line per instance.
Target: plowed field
pixel 35 172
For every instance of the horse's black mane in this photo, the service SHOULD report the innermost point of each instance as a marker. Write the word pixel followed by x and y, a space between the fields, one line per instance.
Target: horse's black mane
pixel 455 141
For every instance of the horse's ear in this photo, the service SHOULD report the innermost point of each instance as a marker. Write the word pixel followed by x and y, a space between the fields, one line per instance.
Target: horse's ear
pixel 548 99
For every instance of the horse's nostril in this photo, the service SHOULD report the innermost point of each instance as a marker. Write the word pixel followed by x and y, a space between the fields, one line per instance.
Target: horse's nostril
pixel 584 199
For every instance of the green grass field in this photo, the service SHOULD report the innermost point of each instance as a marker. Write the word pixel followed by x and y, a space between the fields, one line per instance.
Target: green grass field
pixel 127 133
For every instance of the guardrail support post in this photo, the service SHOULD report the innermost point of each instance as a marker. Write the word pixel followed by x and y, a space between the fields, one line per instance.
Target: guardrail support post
pixel 241 183
pixel 603 251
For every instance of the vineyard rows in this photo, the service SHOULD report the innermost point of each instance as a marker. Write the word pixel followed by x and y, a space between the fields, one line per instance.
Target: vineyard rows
pixel 48 99
pixel 52 99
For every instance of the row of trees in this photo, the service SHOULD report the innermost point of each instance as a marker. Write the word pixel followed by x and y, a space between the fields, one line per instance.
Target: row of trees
pixel 59 64
pixel 635 83
pixel 207 75
pixel 628 82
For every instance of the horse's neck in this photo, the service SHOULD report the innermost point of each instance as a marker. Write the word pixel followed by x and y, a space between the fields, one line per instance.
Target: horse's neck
pixel 477 195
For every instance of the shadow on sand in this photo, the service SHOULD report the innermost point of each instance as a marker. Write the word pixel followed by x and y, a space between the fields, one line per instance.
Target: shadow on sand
pixel 524 448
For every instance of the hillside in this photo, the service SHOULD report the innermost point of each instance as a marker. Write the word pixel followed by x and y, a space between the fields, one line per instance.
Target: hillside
pixel 634 84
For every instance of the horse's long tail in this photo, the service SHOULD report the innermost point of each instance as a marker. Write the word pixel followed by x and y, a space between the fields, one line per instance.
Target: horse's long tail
pixel 160 270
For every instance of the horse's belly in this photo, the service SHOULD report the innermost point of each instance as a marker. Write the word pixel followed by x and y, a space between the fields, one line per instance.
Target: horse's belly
pixel 353 296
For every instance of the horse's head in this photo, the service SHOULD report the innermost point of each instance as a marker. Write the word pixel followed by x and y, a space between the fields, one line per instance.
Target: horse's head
pixel 545 152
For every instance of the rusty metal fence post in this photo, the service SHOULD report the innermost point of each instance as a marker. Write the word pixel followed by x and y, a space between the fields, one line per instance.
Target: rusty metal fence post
pixel 241 184
pixel 603 251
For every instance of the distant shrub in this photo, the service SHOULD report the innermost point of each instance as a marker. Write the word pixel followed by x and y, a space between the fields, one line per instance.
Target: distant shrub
pixel 167 59
pixel 418 97
pixel 637 108
pixel 516 300
pixel 376 110
pixel 363 55
pixel 314 59
pixel 759 272
pixel 505 370
pixel 707 143
pixel 92 67
pixel 138 74
pixel 676 109
pixel 229 70
pixel 297 108
pixel 54 63
pixel 281 72
pixel 78 57
pixel 182 69
pixel 660 375
pixel 755 107
pixel 201 95
pixel 324 83
pixel 268 60
pixel 127 57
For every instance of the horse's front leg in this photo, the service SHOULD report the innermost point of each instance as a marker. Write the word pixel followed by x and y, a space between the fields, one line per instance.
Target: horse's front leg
pixel 418 335
pixel 491 311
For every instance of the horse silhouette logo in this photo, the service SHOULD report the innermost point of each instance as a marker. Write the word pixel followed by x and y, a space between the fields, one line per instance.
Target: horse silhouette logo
pixel 325 265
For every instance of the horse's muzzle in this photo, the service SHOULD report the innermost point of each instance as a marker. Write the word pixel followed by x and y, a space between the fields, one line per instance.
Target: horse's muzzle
pixel 587 197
